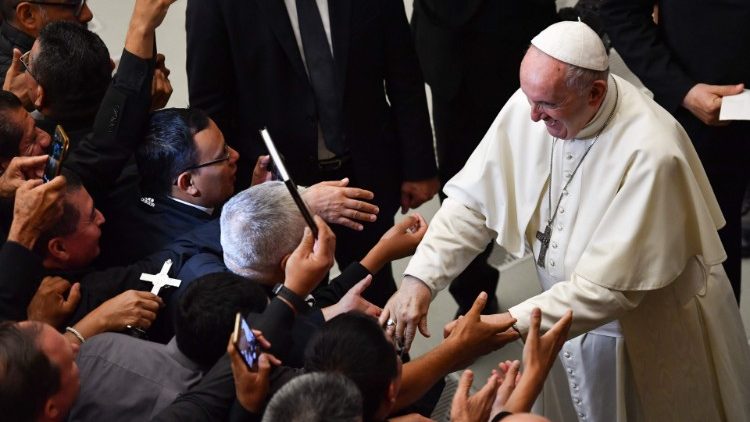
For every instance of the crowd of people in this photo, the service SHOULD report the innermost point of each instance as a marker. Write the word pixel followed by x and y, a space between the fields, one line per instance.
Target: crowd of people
pixel 129 272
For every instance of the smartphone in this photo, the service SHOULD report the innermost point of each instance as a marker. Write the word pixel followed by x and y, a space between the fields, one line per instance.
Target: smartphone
pixel 58 152
pixel 245 342
pixel 280 169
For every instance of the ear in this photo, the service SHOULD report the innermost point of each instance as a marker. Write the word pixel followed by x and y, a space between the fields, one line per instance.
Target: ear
pixel 56 249
pixel 282 264
pixel 39 96
pixel 51 412
pixel 598 89
pixel 185 184
pixel 28 19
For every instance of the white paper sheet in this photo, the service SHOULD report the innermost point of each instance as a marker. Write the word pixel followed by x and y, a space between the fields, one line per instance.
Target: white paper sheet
pixel 735 107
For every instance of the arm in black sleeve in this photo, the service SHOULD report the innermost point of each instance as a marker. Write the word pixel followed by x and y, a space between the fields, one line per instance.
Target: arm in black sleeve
pixel 639 41
pixel 119 126
pixel 20 274
pixel 333 292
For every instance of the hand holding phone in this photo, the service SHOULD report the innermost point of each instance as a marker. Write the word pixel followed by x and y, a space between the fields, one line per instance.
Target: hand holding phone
pixel 245 341
pixel 58 152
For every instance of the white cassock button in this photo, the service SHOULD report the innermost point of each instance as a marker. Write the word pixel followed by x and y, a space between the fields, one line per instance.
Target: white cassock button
pixel 578 401
pixel 567 355
pixel 565 191
pixel 566 174
pixel 569 156
pixel 570 371
pixel 575 385
pixel 562 210
pixel 559 227
pixel 551 263
pixel 554 245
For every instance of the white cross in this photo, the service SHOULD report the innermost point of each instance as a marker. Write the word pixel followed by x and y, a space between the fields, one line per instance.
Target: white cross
pixel 162 279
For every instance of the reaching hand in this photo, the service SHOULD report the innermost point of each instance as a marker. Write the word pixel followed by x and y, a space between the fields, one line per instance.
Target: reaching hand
pixel 414 194
pixel 15 81
pixel 339 204
pixel 474 337
pixel 509 374
pixel 261 174
pixel 402 239
pixel 704 101
pixel 147 16
pixel 21 169
pixel 353 301
pixel 477 407
pixel 312 259
pixel 408 308
pixel 252 386
pixel 161 87
pixel 38 206
pixel 50 303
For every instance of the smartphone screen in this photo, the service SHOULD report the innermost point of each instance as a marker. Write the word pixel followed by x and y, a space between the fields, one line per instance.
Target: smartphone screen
pixel 245 341
pixel 280 169
pixel 58 151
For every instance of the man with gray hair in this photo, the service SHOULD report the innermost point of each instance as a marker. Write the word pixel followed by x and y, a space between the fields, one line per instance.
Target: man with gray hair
pixel 605 188
pixel 318 396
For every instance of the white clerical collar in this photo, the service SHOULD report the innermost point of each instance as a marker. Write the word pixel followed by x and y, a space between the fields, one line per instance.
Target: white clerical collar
pixel 209 211
pixel 602 115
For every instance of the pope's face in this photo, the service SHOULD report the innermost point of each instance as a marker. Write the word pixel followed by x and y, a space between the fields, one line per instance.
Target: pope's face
pixel 563 109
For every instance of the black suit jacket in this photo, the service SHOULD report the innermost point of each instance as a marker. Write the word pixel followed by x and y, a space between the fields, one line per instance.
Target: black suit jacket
pixel 245 69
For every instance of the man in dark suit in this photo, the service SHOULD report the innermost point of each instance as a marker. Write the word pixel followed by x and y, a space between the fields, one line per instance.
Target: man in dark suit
pixel 470 52
pixel 361 112
pixel 698 53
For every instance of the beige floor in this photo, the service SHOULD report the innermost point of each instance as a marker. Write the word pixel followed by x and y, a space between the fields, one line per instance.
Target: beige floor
pixel 517 280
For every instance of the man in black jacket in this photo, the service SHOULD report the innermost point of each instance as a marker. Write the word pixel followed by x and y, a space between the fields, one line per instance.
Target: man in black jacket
pixel 697 53
pixel 360 114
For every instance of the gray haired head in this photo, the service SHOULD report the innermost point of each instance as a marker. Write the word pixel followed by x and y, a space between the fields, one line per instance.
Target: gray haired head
pixel 316 397
pixel 259 226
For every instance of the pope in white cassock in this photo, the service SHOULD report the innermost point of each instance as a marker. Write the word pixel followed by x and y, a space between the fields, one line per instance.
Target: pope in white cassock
pixel 606 189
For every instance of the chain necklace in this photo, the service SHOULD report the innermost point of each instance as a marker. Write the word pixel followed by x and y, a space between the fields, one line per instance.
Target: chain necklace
pixel 545 236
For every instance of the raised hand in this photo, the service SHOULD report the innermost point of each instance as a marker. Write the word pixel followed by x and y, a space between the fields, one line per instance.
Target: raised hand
pixel 251 386
pixel 312 259
pixel 339 204
pixel 54 302
pixel 38 206
pixel 474 408
pixel 353 301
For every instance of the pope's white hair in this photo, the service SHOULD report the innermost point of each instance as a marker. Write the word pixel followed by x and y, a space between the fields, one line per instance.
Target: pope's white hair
pixel 581 79
pixel 259 226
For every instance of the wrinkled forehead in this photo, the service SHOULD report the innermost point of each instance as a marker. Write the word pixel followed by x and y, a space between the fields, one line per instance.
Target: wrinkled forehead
pixel 542 77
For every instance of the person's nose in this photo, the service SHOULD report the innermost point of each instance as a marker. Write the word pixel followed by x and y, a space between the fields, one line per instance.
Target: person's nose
pixel 86 14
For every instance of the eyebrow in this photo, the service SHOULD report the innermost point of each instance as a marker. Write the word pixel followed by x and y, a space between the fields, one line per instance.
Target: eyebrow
pixel 223 151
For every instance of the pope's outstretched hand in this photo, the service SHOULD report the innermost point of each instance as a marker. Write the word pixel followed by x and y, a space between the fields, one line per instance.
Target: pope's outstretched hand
pixel 407 308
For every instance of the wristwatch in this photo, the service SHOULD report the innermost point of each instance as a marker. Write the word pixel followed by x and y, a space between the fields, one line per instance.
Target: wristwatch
pixel 300 305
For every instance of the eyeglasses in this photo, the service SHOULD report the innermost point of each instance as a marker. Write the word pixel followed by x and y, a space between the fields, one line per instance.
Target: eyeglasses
pixel 25 61
pixel 226 157
pixel 74 4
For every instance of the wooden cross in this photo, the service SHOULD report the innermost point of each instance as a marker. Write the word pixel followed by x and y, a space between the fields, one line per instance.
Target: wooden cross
pixel 544 238
pixel 161 279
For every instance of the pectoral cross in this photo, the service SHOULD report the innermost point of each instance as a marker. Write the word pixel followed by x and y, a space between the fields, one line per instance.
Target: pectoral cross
pixel 161 279
pixel 544 238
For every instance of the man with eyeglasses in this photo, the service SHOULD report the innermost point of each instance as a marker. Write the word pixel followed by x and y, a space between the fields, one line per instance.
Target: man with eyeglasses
pixel 23 20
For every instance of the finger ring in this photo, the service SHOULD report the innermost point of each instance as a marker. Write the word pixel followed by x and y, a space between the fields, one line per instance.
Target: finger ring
pixel 390 323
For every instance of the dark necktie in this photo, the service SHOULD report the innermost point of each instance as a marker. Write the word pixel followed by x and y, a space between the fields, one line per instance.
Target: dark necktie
pixel 322 72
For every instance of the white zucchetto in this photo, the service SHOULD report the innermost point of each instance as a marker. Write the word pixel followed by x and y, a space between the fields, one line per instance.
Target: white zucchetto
pixel 573 43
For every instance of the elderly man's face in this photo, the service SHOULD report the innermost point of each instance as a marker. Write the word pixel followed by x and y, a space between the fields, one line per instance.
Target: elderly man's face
pixel 564 110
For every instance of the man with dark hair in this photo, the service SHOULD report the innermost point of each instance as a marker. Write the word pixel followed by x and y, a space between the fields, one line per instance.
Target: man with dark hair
pixel 131 379
pixel 68 71
pixel 19 134
pixel 23 20
pixel 38 374
pixel 355 345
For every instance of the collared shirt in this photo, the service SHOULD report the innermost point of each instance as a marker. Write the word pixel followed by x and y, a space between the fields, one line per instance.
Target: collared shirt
pixel 128 379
